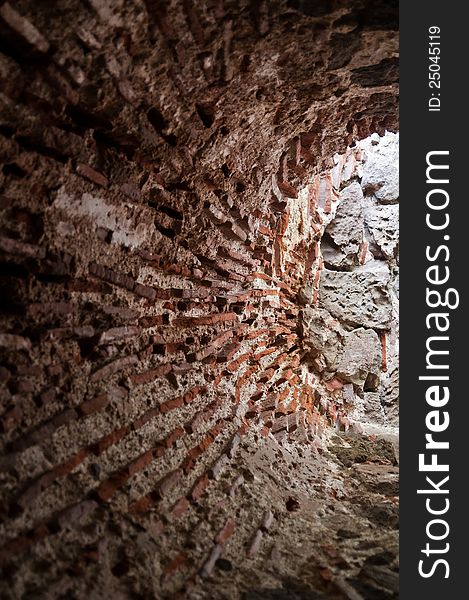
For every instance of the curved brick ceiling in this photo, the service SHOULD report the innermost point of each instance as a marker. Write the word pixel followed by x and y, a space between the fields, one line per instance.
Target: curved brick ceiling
pixel 150 289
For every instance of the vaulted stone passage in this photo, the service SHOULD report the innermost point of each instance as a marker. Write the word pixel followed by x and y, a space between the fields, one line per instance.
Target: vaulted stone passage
pixel 198 352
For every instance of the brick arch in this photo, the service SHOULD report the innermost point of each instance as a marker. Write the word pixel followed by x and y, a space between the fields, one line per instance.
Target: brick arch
pixel 149 324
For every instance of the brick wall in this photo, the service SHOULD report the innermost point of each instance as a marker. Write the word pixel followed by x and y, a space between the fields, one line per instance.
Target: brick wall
pixel 161 207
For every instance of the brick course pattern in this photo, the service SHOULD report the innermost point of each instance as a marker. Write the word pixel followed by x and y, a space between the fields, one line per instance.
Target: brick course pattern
pixel 153 154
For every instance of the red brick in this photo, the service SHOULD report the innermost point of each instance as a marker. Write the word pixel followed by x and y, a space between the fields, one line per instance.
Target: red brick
pixel 218 428
pixel 228 352
pixel 235 364
pixel 110 439
pixel 176 564
pixel 266 231
pixel 153 321
pixel 4 374
pixel 110 486
pixel 47 308
pixel 333 384
pixel 34 489
pixel 189 462
pixel 150 375
pixel 363 252
pixel 254 334
pixel 159 450
pixel 201 417
pixel 168 482
pixel 255 276
pixel 266 375
pixel 94 404
pixel 172 404
pixel 205 320
pixel 146 417
pixel 87 285
pixel 140 463
pixel 119 333
pixel 180 507
pixel 69 465
pixel 199 488
pixel 173 437
pixel 12 246
pixel 384 366
pixel 47 396
pixel 113 367
pixel 226 532
pixel 172 347
pixel 193 393
pixel 11 417
pixel 141 505
pixel 92 174
pixel 243 429
pixel 145 291
pixel 111 276
pixel 233 231
pixel 214 344
pixel 259 355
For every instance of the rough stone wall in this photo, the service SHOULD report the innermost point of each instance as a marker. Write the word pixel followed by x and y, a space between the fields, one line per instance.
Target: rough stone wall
pixel 352 329
pixel 155 265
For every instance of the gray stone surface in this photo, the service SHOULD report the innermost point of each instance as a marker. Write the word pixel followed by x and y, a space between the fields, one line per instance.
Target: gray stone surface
pixel 382 221
pixel 358 298
pixel 360 356
pixel 321 333
pixel 359 287
pixel 333 257
pixel 391 394
pixel 381 172
pixel 373 407
pixel 346 229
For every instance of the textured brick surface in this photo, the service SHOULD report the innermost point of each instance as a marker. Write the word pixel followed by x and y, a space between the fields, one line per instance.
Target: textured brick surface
pixel 165 181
